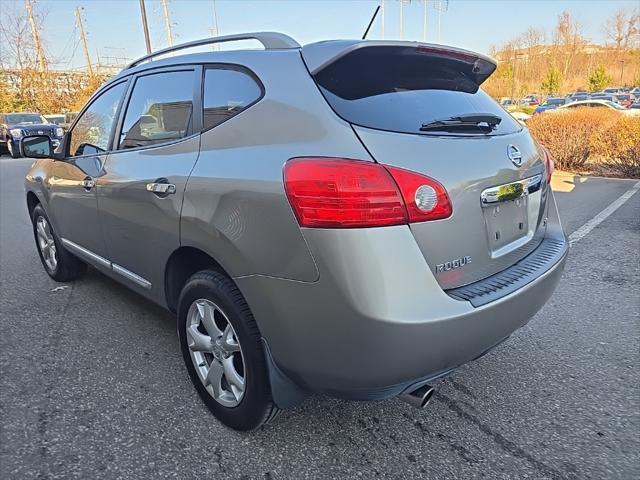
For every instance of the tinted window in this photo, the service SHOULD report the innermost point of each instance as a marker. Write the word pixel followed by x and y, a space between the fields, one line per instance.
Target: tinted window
pixel 159 110
pixel 227 93
pixel 400 89
pixel 91 133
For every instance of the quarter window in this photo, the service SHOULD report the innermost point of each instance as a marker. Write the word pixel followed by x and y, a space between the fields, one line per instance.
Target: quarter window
pixel 160 109
pixel 226 93
pixel 91 133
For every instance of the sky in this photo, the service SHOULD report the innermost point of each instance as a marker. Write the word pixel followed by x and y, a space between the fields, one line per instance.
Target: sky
pixel 114 27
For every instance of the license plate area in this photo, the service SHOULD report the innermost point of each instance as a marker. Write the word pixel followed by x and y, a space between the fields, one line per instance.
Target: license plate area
pixel 506 222
pixel 510 212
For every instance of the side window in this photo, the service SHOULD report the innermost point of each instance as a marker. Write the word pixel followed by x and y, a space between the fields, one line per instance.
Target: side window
pixel 90 135
pixel 227 93
pixel 159 110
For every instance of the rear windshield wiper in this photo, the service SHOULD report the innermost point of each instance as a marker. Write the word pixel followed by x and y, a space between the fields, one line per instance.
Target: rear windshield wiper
pixel 485 122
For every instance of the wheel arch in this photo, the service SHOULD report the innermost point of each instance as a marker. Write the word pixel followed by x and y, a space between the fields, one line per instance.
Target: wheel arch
pixel 32 201
pixel 182 263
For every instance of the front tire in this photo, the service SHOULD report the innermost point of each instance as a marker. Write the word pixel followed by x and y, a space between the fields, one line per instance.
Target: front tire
pixel 222 350
pixel 12 149
pixel 59 264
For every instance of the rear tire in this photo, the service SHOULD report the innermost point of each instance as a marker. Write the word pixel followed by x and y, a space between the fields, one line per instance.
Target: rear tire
pixel 245 402
pixel 60 264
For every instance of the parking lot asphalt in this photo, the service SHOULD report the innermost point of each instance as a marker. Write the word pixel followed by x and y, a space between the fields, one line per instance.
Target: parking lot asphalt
pixel 92 383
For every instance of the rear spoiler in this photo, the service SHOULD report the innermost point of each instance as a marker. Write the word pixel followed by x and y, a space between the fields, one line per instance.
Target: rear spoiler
pixel 320 55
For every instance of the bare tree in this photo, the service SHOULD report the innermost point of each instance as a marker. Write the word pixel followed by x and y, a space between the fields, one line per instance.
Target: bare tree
pixel 568 41
pixel 623 28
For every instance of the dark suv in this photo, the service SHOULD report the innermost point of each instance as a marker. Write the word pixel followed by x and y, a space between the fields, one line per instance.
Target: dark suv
pixel 14 126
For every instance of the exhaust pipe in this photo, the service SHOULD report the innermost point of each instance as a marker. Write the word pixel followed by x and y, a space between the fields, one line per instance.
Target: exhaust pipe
pixel 420 397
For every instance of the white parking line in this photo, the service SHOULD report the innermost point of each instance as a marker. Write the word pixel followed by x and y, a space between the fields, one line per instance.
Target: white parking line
pixel 595 221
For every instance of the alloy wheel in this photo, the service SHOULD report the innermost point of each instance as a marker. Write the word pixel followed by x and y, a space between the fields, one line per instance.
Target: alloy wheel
pixel 46 243
pixel 215 351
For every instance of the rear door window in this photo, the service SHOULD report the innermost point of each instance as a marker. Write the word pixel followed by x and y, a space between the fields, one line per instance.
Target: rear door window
pixel 227 92
pixel 160 109
pixel 400 89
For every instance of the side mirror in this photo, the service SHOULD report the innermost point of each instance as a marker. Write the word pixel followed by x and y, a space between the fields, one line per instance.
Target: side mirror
pixel 36 146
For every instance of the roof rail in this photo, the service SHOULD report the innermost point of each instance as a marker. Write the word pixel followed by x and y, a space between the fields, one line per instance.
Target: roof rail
pixel 270 41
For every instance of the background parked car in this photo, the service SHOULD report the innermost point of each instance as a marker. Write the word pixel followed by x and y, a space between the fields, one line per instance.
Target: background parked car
pixel 597 103
pixel 625 99
pixel 57 119
pixel 604 96
pixel 578 96
pixel 531 100
pixel 550 104
pixel 69 117
pixel 14 126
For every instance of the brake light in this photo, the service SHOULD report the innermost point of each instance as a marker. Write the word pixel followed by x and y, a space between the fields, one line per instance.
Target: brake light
pixel 549 165
pixel 346 193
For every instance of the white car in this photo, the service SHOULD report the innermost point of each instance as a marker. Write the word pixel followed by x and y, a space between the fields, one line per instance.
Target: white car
pixel 597 104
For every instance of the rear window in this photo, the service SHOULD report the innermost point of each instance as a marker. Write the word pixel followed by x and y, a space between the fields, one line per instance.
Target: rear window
pixel 400 89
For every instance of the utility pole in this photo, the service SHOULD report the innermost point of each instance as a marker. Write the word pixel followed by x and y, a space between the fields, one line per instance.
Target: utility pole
pixel 441 6
pixel 401 20
pixel 167 22
pixel 145 27
pixel 36 37
pixel 424 20
pixel 83 37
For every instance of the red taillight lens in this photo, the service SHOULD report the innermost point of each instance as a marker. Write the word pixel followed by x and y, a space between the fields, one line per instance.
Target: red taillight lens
pixel 425 198
pixel 549 166
pixel 345 193
pixel 342 193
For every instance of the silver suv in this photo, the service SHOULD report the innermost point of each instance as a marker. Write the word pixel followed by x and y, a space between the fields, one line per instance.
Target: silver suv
pixel 355 218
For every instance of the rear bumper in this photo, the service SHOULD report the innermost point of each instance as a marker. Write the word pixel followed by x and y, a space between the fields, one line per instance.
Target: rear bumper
pixel 376 322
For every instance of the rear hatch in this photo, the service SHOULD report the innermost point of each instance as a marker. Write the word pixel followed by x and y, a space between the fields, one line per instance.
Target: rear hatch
pixel 419 107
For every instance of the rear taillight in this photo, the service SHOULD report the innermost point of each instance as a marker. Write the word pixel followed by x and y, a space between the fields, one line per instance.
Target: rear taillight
pixel 425 198
pixel 345 193
pixel 548 164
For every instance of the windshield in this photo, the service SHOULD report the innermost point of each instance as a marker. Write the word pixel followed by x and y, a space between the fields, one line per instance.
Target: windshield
pixel 402 89
pixel 25 118
pixel 555 101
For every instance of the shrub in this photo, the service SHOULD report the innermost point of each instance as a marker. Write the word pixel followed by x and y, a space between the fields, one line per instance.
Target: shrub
pixel 581 138
pixel 599 79
pixel 566 134
pixel 618 145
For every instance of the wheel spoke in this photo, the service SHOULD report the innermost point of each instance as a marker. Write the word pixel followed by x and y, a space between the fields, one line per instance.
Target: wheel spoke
pixel 213 351
pixel 197 341
pixel 41 229
pixel 229 342
pixel 230 372
pixel 214 376
pixel 207 315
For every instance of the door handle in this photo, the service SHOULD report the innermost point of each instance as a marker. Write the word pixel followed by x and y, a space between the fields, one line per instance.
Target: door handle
pixel 88 183
pixel 161 188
